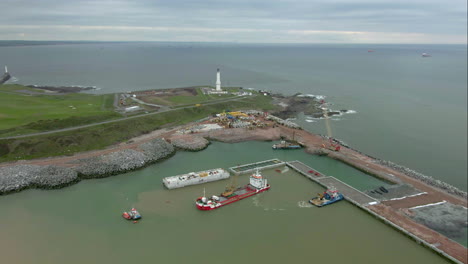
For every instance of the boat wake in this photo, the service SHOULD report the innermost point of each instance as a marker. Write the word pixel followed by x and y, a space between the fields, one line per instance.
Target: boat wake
pixel 304 204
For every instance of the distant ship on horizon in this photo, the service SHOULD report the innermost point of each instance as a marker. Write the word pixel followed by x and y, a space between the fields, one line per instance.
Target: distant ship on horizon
pixel 426 55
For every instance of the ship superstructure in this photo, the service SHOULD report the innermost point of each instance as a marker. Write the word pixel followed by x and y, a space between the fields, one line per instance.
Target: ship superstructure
pixel 256 185
pixel 193 178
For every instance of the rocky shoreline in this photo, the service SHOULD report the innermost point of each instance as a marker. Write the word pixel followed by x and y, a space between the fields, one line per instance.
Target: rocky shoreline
pixel 5 77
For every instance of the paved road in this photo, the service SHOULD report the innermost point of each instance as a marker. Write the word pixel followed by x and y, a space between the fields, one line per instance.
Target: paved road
pixel 120 119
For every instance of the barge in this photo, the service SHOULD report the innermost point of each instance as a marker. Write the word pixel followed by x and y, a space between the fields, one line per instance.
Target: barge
pixel 257 185
pixel 193 178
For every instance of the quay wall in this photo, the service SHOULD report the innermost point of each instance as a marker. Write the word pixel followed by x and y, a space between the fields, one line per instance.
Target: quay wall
pixel 381 218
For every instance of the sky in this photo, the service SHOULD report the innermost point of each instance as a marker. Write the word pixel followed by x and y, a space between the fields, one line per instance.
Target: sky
pixel 242 21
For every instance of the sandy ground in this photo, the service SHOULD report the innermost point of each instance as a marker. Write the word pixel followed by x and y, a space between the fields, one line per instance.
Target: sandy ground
pixel 391 210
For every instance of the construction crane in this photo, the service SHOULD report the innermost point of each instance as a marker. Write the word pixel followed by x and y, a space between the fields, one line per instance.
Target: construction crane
pixel 331 145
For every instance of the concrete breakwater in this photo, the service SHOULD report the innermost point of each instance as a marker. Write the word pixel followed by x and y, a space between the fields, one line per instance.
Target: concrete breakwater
pixel 20 177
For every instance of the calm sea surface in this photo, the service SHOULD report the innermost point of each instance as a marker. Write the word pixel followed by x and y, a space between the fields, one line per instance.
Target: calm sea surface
pixel 410 110
pixel 82 223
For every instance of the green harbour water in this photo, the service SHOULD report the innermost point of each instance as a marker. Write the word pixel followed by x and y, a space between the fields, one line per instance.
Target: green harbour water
pixel 83 224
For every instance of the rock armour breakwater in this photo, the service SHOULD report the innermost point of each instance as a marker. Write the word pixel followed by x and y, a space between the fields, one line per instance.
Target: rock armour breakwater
pixel 408 172
pixel 124 160
pixel 20 177
pixel 16 178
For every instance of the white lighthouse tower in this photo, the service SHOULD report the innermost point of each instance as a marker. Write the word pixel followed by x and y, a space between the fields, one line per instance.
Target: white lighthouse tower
pixel 218 81
pixel 6 69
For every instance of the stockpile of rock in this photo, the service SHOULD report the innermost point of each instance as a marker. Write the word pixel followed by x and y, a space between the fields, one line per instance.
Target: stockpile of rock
pixel 124 160
pixel 190 143
pixel 20 177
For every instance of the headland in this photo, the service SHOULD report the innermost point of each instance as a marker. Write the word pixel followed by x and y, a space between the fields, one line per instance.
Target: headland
pixel 150 143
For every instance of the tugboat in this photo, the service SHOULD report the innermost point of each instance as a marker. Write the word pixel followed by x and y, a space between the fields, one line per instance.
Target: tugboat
pixel 132 215
pixel 287 144
pixel 232 194
pixel 328 197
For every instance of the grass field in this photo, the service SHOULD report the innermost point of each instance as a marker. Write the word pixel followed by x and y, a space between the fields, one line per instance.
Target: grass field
pixel 98 137
pixel 21 112
pixel 178 100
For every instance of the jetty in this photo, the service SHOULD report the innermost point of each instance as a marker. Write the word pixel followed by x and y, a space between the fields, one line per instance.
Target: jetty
pixel 350 193
pixel 371 206
pixel 261 165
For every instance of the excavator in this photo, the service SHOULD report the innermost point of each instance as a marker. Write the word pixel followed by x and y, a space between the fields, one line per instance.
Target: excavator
pixel 231 187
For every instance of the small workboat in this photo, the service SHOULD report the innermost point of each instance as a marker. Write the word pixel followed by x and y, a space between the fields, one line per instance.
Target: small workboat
pixel 131 215
pixel 328 197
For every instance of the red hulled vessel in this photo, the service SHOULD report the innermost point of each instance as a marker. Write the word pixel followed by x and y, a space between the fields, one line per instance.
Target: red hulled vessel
pixel 257 185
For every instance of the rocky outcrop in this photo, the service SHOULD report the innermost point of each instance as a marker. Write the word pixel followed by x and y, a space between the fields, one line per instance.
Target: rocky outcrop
pixel 5 77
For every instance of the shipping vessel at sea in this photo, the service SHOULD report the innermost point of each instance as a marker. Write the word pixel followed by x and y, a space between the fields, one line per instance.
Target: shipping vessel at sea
pixel 232 194
pixel 193 178
pixel 328 197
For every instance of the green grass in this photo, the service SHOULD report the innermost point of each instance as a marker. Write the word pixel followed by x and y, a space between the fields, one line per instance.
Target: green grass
pixel 98 137
pixel 22 113
pixel 199 98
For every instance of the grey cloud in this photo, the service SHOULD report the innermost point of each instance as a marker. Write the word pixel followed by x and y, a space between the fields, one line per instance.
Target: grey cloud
pixel 417 16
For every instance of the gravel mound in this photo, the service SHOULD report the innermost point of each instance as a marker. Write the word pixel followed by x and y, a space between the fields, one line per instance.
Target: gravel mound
pixel 190 143
pixel 20 177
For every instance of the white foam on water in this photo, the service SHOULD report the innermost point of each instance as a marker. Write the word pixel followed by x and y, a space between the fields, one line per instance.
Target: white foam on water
pixel 310 121
pixel 351 112
pixel 304 204
pixel 318 97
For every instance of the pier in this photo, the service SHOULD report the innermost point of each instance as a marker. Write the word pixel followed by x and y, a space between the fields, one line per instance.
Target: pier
pixel 350 193
pixel 371 206
pixel 261 165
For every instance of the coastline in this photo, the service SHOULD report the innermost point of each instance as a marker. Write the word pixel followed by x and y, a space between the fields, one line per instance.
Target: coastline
pixel 161 144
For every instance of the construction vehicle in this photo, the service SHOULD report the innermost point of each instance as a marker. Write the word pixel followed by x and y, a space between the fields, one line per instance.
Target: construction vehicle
pixel 331 144
pixel 231 187
pixel 237 114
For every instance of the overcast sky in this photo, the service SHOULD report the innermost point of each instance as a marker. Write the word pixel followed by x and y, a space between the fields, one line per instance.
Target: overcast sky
pixel 245 21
